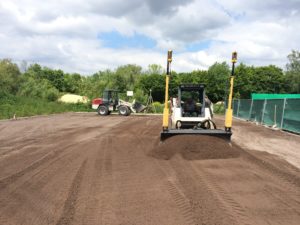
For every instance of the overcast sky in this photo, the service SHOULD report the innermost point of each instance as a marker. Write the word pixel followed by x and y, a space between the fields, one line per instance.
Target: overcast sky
pixel 86 36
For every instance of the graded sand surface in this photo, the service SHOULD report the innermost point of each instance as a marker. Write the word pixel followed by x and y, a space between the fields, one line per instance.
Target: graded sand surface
pixel 85 169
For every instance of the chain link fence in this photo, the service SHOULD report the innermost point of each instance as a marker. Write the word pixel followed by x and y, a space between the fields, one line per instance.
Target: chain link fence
pixel 279 113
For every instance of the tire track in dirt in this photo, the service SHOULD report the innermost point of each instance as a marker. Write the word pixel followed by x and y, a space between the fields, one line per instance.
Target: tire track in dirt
pixel 4 182
pixel 277 197
pixel 28 200
pixel 107 209
pixel 30 191
pixel 274 195
pixel 233 207
pixel 188 206
pixel 181 201
pixel 208 186
pixel 20 143
pixel 206 205
pixel 70 203
pixel 109 178
pixel 60 151
pixel 234 210
pixel 141 142
pixel 92 214
pixel 197 191
pixel 290 182
pixel 288 177
pixel 179 198
pixel 18 147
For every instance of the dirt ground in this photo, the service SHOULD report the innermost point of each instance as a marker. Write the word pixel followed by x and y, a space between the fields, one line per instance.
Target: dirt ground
pixel 85 169
pixel 257 137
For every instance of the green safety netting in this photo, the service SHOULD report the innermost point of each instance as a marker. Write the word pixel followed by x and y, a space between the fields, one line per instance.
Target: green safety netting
pixel 261 96
pixel 244 107
pixel 256 113
pixel 281 113
pixel 273 112
pixel 235 107
pixel 291 116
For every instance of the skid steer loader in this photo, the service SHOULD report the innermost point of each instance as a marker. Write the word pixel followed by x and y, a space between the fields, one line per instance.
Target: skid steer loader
pixel 192 108
pixel 191 111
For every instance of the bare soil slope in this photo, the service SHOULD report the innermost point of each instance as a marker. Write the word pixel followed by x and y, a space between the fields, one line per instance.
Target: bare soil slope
pixel 85 169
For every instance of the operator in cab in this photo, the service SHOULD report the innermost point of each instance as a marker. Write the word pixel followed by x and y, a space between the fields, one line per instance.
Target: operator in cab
pixel 190 108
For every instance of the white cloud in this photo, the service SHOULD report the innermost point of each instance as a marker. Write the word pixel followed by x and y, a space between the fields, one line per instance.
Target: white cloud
pixel 65 34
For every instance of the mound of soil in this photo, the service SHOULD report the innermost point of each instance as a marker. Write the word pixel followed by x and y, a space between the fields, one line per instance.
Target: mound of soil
pixel 195 147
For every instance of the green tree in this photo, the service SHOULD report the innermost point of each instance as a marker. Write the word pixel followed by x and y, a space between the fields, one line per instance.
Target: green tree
pixel 293 72
pixel 119 83
pixel 264 79
pixel 244 81
pixel 41 88
pixel 217 81
pixel 34 70
pixel 56 77
pixel 72 83
pixel 9 76
pixel 155 69
pixel 156 83
pixel 268 79
pixel 194 77
pixel 129 75
pixel 93 86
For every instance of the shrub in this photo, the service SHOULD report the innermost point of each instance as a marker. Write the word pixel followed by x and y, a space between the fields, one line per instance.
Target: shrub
pixel 38 89
pixel 157 107
pixel 219 108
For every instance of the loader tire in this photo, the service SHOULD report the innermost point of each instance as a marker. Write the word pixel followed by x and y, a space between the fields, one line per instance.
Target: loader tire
pixel 102 110
pixel 123 110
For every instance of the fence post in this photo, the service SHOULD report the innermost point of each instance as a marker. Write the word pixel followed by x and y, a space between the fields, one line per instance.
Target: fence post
pixel 275 119
pixel 283 109
pixel 263 112
pixel 238 108
pixel 250 111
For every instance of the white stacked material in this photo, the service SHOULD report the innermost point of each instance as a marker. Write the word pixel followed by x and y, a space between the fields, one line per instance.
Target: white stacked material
pixel 71 98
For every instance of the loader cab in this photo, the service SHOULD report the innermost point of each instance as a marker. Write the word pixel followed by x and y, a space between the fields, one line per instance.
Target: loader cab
pixel 192 100
pixel 110 97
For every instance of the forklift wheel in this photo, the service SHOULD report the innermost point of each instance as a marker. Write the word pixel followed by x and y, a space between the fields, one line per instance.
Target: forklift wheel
pixel 103 110
pixel 123 110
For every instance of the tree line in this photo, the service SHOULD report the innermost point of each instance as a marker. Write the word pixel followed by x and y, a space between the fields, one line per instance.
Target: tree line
pixel 46 83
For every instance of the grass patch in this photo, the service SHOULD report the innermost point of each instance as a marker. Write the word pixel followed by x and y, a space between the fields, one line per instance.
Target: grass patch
pixel 25 106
